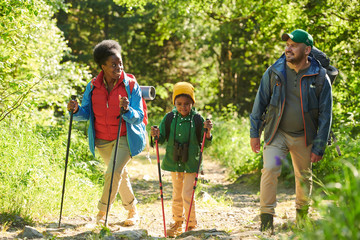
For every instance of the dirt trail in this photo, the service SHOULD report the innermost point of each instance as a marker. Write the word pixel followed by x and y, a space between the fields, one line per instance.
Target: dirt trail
pixel 232 207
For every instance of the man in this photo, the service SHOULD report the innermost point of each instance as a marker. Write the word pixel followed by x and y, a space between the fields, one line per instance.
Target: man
pixel 297 120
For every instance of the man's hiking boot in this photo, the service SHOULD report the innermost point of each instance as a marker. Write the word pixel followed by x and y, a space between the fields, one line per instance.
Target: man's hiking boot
pixel 301 217
pixel 267 222
pixel 175 229
pixel 133 217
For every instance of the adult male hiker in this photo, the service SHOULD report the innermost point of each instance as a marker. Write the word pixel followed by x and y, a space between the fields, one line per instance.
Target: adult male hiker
pixel 297 120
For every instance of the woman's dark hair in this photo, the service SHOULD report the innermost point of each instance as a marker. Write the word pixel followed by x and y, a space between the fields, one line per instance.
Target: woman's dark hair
pixel 104 49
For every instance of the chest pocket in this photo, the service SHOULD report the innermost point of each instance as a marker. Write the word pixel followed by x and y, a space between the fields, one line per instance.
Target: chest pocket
pixel 313 102
pixel 275 85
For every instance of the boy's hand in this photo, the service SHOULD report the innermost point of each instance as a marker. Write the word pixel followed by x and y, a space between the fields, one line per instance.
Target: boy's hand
pixel 155 132
pixel 208 125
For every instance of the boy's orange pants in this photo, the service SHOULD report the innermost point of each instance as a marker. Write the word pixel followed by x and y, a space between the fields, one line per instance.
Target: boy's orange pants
pixel 183 184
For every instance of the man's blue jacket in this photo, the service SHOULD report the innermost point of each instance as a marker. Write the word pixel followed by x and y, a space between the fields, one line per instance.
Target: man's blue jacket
pixel 316 108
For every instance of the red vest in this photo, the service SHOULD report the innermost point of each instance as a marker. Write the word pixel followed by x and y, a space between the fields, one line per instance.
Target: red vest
pixel 106 109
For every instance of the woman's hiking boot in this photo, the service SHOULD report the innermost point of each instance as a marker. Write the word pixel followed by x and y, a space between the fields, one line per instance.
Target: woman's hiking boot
pixel 133 217
pixel 267 222
pixel 100 217
pixel 175 229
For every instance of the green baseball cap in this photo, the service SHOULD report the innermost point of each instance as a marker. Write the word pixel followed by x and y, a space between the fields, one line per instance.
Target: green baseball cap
pixel 299 36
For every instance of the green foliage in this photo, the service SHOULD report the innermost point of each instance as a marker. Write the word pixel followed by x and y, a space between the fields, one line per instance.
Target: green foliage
pixel 222 47
pixel 231 144
pixel 31 49
pixel 339 208
pixel 32 168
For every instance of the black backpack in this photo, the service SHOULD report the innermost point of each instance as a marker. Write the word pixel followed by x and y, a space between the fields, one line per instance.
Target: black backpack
pixel 331 71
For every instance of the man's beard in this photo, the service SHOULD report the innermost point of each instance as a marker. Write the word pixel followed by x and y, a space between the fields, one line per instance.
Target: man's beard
pixel 295 60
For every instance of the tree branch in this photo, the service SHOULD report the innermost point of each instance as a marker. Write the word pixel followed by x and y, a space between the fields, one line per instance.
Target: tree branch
pixel 18 102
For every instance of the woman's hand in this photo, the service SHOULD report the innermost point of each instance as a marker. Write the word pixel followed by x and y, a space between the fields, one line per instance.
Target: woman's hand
pixel 155 131
pixel 73 106
pixel 124 103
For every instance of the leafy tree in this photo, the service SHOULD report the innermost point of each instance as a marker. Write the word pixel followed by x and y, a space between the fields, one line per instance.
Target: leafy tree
pixel 222 47
pixel 31 49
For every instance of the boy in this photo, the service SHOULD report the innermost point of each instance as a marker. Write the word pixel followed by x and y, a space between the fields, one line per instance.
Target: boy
pixel 182 153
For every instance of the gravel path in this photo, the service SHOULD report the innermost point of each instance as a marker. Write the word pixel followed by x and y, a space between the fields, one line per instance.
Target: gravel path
pixel 227 210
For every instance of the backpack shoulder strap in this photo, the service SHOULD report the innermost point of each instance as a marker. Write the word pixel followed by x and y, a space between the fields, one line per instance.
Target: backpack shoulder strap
pixel 198 126
pixel 319 81
pixel 168 119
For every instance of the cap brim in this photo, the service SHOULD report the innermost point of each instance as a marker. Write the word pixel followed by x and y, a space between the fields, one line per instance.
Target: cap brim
pixel 285 37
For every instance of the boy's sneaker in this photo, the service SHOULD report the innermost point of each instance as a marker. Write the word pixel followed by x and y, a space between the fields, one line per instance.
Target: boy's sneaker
pixel 175 229
pixel 191 228
pixel 133 217
pixel 267 222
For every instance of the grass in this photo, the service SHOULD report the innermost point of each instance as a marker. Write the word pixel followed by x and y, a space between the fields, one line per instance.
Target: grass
pixel 339 207
pixel 32 171
pixel 231 146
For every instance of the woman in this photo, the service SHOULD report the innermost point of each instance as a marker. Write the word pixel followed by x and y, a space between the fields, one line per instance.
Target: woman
pixel 104 96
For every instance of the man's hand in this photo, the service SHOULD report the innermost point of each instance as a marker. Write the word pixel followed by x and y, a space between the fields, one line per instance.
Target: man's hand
pixel 255 144
pixel 315 158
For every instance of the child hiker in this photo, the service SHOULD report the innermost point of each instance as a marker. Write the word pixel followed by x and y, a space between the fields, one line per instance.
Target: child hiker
pixel 182 153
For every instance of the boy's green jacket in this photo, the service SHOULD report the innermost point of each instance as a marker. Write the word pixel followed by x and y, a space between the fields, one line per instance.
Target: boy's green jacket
pixel 183 125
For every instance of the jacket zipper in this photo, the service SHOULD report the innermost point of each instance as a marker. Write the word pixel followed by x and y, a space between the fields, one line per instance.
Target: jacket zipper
pixel 302 107
pixel 128 95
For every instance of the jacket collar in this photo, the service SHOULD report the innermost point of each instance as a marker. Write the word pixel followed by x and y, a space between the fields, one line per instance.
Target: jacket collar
pixel 100 78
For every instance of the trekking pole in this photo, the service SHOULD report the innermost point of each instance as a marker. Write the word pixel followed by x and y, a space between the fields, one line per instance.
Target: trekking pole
pixel 114 162
pixel 335 141
pixel 160 181
pixel 73 97
pixel 196 178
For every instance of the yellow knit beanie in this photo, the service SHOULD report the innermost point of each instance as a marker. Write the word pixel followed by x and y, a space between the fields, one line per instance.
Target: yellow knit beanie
pixel 183 88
